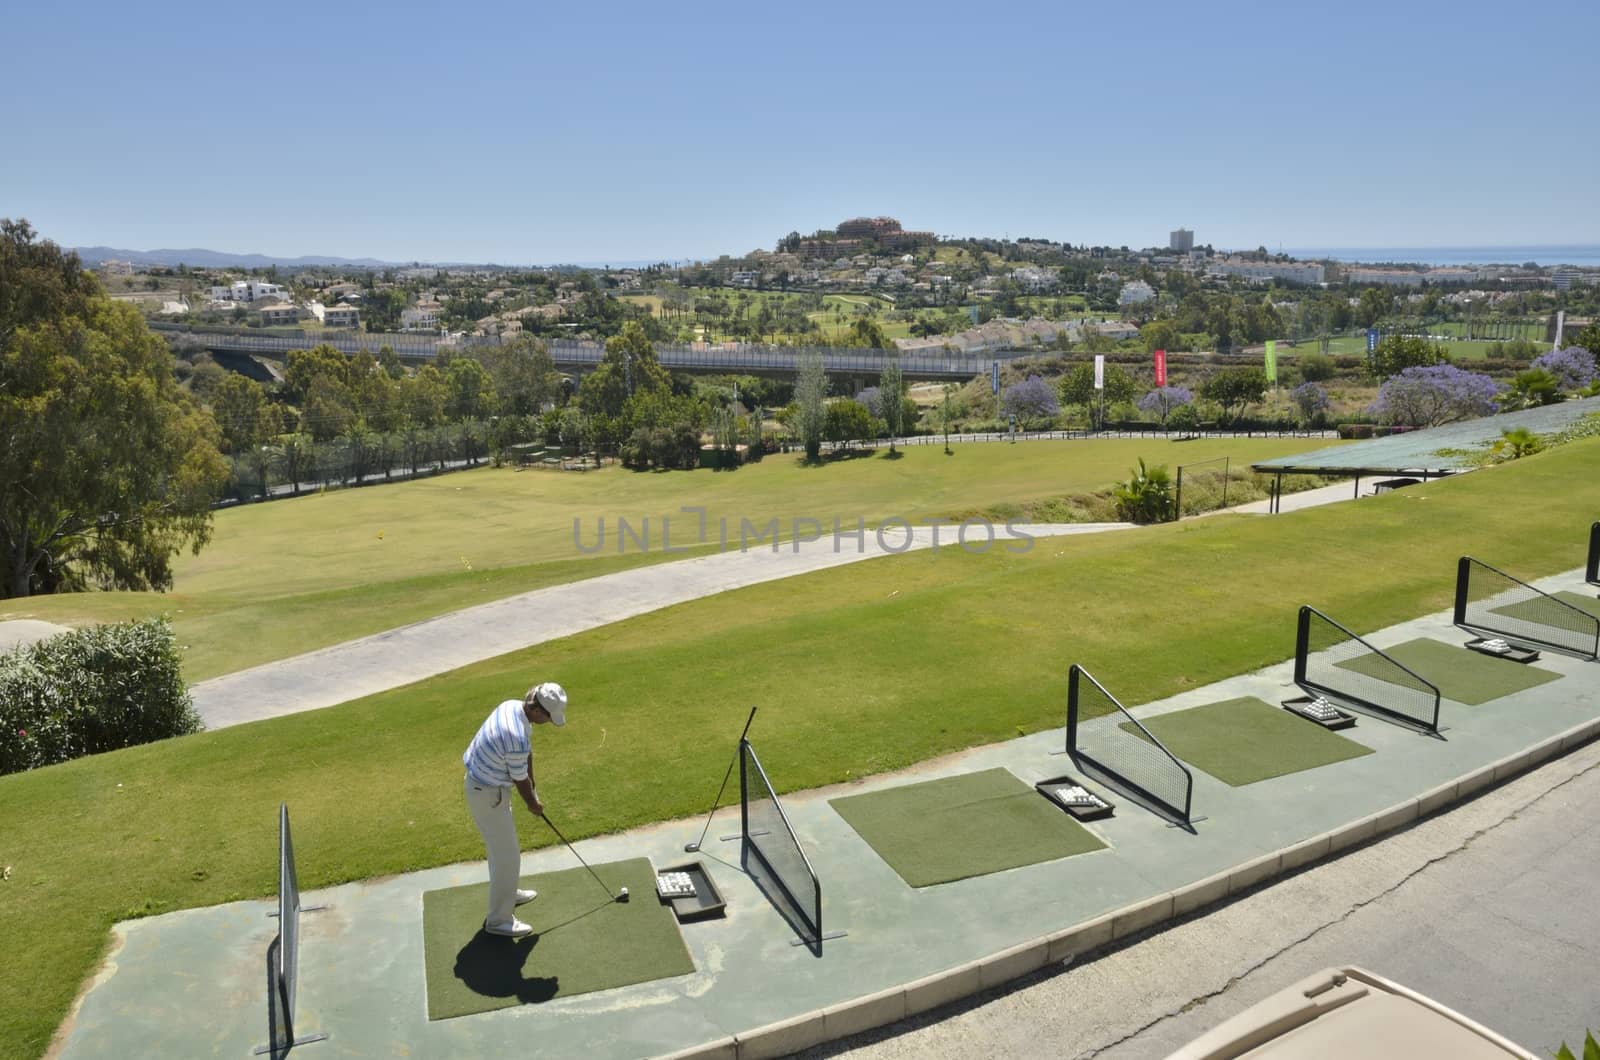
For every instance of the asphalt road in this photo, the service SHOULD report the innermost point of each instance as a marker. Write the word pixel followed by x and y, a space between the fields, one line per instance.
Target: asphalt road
pixel 1489 908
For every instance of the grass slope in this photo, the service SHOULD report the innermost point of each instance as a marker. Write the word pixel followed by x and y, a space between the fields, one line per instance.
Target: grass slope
pixel 857 671
pixel 292 576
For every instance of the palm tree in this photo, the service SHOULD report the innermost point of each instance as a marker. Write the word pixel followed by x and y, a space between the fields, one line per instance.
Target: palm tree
pixel 296 458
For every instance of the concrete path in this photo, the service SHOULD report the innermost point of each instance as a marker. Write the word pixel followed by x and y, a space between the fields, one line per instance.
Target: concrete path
pixel 20 632
pixel 906 950
pixel 1294 502
pixel 357 668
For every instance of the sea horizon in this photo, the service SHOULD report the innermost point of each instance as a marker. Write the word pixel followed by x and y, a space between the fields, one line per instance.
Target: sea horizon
pixel 1545 255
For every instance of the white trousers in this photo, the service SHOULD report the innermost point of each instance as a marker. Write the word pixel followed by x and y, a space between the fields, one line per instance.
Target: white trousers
pixel 491 810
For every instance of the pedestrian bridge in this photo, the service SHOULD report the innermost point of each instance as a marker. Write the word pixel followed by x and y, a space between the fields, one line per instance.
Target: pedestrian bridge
pixel 579 355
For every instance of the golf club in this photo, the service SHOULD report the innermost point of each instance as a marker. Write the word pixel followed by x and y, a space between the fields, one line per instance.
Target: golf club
pixel 691 848
pixel 620 896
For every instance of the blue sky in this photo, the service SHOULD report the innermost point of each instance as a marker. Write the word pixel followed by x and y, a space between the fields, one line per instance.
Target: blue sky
pixel 526 133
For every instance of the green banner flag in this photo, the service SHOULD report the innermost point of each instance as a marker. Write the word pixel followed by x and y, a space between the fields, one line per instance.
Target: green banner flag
pixel 1272 361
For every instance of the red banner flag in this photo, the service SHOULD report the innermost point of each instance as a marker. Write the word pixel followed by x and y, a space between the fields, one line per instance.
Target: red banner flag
pixel 1161 368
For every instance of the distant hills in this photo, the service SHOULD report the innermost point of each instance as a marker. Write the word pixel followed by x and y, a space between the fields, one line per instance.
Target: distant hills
pixel 216 259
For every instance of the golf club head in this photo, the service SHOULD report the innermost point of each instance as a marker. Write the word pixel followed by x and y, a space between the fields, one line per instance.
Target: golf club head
pixel 691 848
pixel 622 895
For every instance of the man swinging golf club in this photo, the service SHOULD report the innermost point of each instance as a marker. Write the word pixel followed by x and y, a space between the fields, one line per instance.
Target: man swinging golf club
pixel 499 759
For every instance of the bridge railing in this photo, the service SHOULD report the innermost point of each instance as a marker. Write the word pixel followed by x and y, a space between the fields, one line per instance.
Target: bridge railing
pixel 743 357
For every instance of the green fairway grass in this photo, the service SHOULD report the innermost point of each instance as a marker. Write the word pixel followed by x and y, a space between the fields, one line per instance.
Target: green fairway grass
pixel 1468 677
pixel 1356 345
pixel 969 825
pixel 581 942
pixel 1241 741
pixel 296 575
pixel 912 656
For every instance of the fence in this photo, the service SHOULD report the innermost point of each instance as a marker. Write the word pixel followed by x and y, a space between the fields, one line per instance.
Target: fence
pixel 1208 467
pixel 283 953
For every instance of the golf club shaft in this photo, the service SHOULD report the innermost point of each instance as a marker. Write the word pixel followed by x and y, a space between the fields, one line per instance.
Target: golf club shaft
pixel 725 777
pixel 579 856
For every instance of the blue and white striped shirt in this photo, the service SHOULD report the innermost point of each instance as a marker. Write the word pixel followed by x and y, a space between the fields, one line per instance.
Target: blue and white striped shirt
pixel 501 752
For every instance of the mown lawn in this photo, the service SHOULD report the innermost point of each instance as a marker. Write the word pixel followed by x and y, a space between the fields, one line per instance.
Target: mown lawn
pixel 857 671
pixel 295 575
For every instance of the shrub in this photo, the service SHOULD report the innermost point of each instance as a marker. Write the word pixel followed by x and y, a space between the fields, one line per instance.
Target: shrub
pixel 1184 418
pixel 1030 400
pixel 1311 400
pixel 1164 401
pixel 1531 389
pixel 1429 395
pixel 1315 367
pixel 1518 442
pixel 1591 1049
pixel 1398 353
pixel 91 690
pixel 1146 497
pixel 1572 367
pixel 1234 390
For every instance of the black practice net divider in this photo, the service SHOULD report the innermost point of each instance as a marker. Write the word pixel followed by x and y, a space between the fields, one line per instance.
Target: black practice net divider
pixel 1491 600
pixel 1591 569
pixel 283 953
pixel 1331 661
pixel 1136 763
pixel 768 835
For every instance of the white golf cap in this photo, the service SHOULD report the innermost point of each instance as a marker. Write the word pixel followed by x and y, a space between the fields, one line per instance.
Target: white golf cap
pixel 553 698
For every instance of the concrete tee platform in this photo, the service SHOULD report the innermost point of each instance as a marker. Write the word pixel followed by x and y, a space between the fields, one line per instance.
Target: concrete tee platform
pixel 193 983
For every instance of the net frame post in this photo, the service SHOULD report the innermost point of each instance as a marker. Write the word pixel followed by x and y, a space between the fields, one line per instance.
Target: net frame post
pixel 1463 577
pixel 1302 645
pixel 1429 727
pixel 1591 569
pixel 1591 650
pixel 1181 816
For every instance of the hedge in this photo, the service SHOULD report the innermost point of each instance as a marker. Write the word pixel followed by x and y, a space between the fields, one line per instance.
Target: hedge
pixel 91 690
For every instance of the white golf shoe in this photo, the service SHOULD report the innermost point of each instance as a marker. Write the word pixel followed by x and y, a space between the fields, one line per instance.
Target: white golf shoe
pixel 524 897
pixel 516 929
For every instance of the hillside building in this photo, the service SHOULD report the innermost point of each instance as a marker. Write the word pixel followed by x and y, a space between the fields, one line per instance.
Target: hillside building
pixel 1306 272
pixel 248 291
pixel 1135 292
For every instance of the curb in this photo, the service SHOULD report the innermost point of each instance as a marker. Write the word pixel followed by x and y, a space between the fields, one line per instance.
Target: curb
pixel 896 1003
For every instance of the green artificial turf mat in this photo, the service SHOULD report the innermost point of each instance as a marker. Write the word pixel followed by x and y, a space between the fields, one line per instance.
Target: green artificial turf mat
pixel 969 825
pixel 1241 741
pixel 581 942
pixel 1468 677
pixel 1536 610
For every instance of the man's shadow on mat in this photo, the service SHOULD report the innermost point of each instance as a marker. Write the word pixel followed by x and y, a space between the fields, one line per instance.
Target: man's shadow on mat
pixel 491 965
